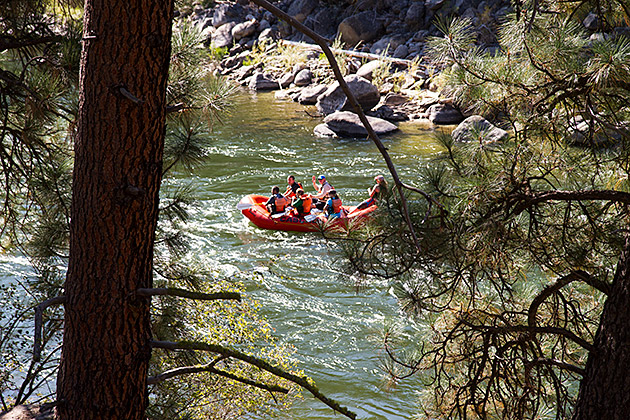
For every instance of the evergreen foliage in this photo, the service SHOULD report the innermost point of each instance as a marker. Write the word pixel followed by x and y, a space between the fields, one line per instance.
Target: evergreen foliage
pixel 520 241
pixel 39 61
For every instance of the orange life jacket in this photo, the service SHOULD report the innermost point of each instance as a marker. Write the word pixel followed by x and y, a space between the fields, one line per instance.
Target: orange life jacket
pixel 336 205
pixel 307 203
pixel 281 203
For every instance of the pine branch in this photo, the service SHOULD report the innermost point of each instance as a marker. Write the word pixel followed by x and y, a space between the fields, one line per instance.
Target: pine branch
pixel 39 312
pixel 174 291
pixel 211 369
pixel 532 330
pixel 578 275
pixel 302 381
pixel 554 362
pixel 529 200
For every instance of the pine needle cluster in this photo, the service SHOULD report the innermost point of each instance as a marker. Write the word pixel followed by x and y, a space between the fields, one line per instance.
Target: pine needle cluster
pixel 507 280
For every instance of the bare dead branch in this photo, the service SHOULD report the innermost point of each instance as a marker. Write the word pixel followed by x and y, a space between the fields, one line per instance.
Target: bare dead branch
pixel 554 362
pixel 302 381
pixel 174 291
pixel 322 42
pixel 175 108
pixel 532 330
pixel 186 370
pixel 578 275
pixel 39 314
pixel 526 201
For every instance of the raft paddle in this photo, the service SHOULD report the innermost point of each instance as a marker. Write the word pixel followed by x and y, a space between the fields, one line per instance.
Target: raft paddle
pixel 310 217
pixel 243 206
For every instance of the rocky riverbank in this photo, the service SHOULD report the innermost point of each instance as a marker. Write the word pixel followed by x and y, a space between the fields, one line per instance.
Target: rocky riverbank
pixel 380 49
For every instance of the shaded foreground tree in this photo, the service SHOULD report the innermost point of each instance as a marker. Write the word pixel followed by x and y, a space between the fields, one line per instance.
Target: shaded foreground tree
pixel 519 290
pixel 115 196
pixel 119 148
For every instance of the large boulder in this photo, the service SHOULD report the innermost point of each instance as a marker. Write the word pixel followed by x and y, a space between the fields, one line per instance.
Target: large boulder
pixel 348 124
pixel 414 17
pixel 303 78
pixel 243 29
pixel 323 21
pixel 362 27
pixel 309 95
pixel 227 12
pixel 444 114
pixel 260 81
pixel 368 69
pixel 477 128
pixel 223 35
pixel 334 99
pixel 300 9
pixel 285 80
pixel 322 130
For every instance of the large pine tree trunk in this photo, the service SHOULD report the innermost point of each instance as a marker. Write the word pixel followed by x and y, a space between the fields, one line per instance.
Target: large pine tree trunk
pixel 117 174
pixel 604 389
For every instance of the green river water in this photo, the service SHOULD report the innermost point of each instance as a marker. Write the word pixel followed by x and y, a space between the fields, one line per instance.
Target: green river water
pixel 328 322
pixel 325 318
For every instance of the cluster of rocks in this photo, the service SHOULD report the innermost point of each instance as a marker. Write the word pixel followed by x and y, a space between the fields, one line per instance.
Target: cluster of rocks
pixel 390 33
pixel 393 31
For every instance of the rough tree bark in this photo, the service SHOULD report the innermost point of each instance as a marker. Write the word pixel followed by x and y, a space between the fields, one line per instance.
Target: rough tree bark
pixel 604 389
pixel 116 180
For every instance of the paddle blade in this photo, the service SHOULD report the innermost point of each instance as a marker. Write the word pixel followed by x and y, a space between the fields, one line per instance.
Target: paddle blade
pixel 243 206
pixel 278 215
pixel 310 217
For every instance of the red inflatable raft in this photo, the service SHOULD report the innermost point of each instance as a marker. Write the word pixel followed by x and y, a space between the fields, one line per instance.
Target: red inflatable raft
pixel 253 207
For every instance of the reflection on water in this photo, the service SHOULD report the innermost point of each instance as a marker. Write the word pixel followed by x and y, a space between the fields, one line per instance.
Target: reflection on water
pixel 304 297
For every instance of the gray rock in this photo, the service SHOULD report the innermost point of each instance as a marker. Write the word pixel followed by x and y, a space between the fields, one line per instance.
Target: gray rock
pixel 263 24
pixel 303 77
pixel 226 12
pixel 444 114
pixel 583 133
pixel 362 27
pixel 383 45
pixel 223 36
pixel 244 72
pixel 334 99
pixel 414 18
pixel 368 68
pixel 401 51
pixel 395 99
pixel 477 128
pixel 591 22
pixel 324 22
pixel 435 4
pixel 309 95
pixel 300 9
pixel 385 112
pixel 266 34
pixel 244 29
pixel 259 81
pixel 348 124
pixel 322 130
pixel 286 80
